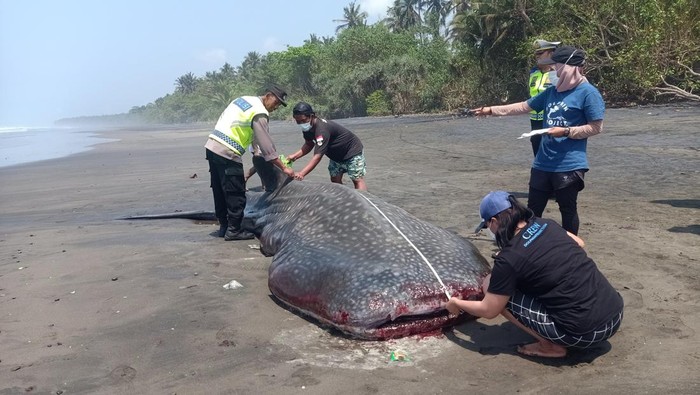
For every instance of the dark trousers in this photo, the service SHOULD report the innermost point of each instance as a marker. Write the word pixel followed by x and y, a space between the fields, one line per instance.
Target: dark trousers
pixel 565 187
pixel 536 139
pixel 228 186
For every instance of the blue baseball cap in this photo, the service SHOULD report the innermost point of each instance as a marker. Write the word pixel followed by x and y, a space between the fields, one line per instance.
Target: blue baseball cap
pixel 491 205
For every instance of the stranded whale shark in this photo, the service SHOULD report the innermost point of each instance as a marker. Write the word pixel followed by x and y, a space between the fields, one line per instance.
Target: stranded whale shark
pixel 356 263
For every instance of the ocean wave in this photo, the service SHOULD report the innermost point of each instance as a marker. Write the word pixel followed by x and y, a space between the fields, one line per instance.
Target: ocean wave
pixel 19 129
pixel 13 129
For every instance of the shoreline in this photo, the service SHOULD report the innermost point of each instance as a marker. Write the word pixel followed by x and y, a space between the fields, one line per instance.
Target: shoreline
pixel 41 144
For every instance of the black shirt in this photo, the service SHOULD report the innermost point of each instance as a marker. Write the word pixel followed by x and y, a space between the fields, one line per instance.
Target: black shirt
pixel 543 261
pixel 333 140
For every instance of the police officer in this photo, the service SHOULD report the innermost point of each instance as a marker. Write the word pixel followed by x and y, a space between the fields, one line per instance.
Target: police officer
pixel 542 76
pixel 243 122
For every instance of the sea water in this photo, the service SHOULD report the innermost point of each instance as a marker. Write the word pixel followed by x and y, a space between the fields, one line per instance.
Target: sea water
pixel 20 145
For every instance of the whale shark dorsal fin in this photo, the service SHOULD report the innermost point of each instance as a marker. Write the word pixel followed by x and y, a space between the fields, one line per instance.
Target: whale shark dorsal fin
pixel 271 177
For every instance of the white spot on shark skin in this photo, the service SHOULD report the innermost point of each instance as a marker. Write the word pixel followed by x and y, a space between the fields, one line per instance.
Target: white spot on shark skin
pixel 315 346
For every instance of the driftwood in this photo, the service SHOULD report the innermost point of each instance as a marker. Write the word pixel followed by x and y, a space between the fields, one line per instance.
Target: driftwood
pixel 670 89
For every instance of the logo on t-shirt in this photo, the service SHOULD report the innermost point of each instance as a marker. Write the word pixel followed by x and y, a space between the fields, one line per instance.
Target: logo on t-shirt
pixel 319 140
pixel 533 232
pixel 555 114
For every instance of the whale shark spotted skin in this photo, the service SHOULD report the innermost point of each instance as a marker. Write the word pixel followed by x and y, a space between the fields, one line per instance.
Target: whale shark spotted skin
pixel 339 260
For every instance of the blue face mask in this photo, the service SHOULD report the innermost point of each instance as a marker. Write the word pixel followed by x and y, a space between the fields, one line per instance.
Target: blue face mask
pixel 305 127
pixel 552 75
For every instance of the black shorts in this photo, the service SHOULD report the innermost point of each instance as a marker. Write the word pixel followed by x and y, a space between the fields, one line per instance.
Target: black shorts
pixel 548 181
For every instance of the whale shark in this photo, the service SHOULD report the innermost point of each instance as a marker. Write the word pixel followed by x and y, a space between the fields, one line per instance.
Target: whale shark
pixel 355 263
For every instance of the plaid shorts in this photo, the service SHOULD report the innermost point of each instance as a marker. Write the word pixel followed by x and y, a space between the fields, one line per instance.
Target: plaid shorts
pixel 530 312
pixel 355 167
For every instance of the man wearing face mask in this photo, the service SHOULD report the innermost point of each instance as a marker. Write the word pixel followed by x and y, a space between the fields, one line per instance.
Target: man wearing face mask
pixel 343 148
pixel 573 112
pixel 243 122
pixel 542 76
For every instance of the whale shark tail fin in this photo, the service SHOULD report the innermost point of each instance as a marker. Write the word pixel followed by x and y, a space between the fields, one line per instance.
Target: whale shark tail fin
pixel 271 177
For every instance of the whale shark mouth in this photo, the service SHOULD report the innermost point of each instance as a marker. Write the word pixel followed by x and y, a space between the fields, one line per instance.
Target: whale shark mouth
pixel 429 323
pixel 413 325
pixel 425 325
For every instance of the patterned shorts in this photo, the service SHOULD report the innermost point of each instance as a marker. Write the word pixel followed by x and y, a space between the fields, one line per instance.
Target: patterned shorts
pixel 355 167
pixel 530 312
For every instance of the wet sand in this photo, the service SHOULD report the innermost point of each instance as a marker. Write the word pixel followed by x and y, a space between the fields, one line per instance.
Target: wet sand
pixel 93 304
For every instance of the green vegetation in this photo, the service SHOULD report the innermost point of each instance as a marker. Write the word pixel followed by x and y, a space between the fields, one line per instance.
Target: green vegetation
pixel 436 55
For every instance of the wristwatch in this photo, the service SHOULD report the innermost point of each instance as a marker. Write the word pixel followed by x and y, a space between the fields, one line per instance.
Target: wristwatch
pixel 567 132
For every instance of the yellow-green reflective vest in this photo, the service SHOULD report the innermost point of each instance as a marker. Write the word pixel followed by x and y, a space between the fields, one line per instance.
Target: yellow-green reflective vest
pixel 539 81
pixel 234 129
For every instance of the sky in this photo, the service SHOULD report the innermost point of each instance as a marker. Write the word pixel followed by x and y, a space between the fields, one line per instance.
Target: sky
pixel 69 58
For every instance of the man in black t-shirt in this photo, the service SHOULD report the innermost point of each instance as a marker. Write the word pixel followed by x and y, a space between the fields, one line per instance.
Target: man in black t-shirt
pixel 341 146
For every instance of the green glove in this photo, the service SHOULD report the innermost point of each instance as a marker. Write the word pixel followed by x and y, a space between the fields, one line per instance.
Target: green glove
pixel 285 161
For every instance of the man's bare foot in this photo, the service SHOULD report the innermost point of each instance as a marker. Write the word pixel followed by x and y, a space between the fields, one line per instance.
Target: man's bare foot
pixel 544 350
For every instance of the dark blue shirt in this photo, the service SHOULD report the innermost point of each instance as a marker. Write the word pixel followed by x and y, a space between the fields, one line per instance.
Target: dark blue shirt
pixel 544 262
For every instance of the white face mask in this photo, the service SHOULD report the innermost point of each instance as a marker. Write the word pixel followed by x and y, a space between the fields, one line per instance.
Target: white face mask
pixel 305 127
pixel 491 234
pixel 552 75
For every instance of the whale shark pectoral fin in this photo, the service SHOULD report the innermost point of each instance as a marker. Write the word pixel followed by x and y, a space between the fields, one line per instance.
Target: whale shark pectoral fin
pixel 194 215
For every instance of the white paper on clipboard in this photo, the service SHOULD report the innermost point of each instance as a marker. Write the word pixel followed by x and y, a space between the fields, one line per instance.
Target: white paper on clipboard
pixel 533 133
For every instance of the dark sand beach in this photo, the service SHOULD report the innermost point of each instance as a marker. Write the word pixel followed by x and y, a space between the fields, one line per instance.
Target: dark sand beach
pixel 91 304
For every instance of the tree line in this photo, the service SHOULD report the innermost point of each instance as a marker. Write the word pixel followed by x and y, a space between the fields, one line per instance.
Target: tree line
pixel 438 55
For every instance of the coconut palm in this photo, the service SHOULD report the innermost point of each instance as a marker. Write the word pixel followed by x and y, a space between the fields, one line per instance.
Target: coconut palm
pixel 404 15
pixel 352 17
pixel 441 8
pixel 186 83
pixel 252 61
pixel 228 71
pixel 486 24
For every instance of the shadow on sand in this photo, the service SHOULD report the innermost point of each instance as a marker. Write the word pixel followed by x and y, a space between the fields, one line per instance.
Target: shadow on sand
pixel 504 338
pixel 682 203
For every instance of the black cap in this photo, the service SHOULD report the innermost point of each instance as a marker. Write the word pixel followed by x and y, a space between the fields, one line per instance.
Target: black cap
pixel 303 108
pixel 566 54
pixel 279 93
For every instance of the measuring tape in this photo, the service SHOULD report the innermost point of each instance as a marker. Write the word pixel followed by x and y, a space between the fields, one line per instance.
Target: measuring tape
pixel 447 293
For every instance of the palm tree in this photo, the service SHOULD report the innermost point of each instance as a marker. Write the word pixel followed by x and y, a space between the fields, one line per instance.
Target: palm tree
pixel 441 8
pixel 352 17
pixel 186 83
pixel 404 15
pixel 313 39
pixel 483 24
pixel 251 62
pixel 227 71
pixel 219 93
